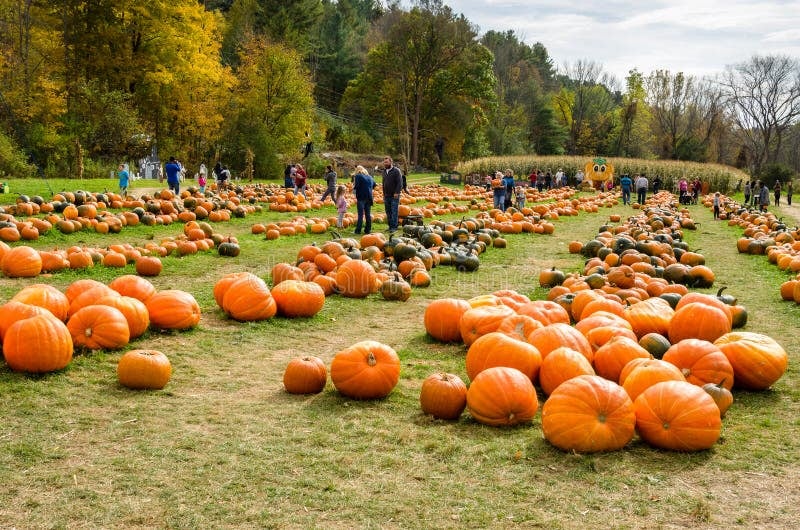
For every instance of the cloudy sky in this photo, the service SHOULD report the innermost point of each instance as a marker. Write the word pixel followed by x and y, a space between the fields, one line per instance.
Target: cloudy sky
pixel 696 37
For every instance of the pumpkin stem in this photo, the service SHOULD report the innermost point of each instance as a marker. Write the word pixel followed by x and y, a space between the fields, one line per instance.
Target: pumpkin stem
pixel 721 383
pixel 371 361
pixel 721 289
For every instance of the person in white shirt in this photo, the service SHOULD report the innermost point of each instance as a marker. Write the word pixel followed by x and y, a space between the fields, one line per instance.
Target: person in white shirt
pixel 641 188
pixel 559 178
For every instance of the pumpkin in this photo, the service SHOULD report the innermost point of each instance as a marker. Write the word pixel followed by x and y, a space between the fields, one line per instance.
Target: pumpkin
pixel 21 262
pixel 646 374
pixel 700 362
pixel 97 327
pixel 502 396
pixel 355 278
pixel 622 276
pixel 655 343
pixel 519 326
pixel 45 296
pixel 305 375
pixel 443 396
pixel 677 415
pixel 78 287
pixel 395 288
pixel 545 312
pixel 13 311
pixel 173 309
pixel 134 310
pixel 296 298
pixel 698 320
pixel 498 349
pixel 442 318
pixel 144 370
pixel 611 358
pixel 758 361
pixel 650 316
pixel 248 299
pixel 222 285
pixel 554 336
pixel 89 297
pixel 366 370
pixel 133 286
pixel 721 395
pixel 38 344
pixel 148 266
pixel 588 414
pixel 562 364
pixel 481 320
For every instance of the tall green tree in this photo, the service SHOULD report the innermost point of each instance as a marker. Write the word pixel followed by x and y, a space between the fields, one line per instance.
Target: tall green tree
pixel 631 135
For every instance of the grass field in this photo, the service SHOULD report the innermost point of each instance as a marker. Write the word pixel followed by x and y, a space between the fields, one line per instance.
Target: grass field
pixel 224 446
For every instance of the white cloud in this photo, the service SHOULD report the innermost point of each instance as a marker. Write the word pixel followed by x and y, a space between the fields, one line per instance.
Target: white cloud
pixel 697 37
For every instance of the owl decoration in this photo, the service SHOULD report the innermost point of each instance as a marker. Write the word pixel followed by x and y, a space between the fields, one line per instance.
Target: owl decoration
pixel 598 172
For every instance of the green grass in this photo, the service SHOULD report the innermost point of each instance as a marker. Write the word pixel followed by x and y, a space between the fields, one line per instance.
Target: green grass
pixel 223 446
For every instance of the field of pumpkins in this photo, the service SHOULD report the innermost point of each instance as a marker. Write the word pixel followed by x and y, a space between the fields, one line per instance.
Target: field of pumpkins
pixel 574 333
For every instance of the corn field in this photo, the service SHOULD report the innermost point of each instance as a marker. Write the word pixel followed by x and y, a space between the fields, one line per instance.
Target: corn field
pixel 718 177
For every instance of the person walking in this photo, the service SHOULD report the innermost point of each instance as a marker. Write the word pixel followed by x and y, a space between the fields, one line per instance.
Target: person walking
pixel 300 180
pixel 392 186
pixel 173 171
pixel 763 197
pixel 747 193
pixel 362 187
pixel 124 178
pixel 789 192
pixel 777 190
pixel 656 185
pixel 330 181
pixel 498 191
pixel 508 184
pixel 641 188
pixel 625 184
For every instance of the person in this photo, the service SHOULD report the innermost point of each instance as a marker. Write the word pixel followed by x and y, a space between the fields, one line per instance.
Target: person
pixel 508 183
pixel 625 184
pixel 300 177
pixel 683 189
pixel 763 197
pixel 405 184
pixel 217 170
pixel 203 170
pixel 362 187
pixel 755 194
pixel 641 188
pixel 124 178
pixel 330 180
pixel 747 193
pixel 288 176
pixel 656 184
pixel 789 192
pixel 392 186
pixel 548 180
pixel 777 190
pixel 716 206
pixel 173 170
pixel 519 193
pixel 498 190
pixel 222 178
pixel 532 178
pixel 539 180
pixel 488 182
pixel 202 181
pixel 696 185
pixel 579 178
pixel 559 178
pixel 341 205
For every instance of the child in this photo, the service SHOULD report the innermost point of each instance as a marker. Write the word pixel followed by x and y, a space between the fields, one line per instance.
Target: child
pixel 341 205
pixel 716 206
pixel 123 180
pixel 519 192
pixel 201 181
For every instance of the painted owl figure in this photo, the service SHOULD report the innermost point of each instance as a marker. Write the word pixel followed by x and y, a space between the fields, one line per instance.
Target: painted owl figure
pixel 598 171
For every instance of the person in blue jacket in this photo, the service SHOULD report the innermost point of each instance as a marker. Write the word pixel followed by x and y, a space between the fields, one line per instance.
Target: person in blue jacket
pixel 625 183
pixel 508 184
pixel 363 184
pixel 173 171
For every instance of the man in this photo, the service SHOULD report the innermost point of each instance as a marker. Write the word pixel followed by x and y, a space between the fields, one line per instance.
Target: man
pixel 625 185
pixel 392 186
pixel 330 180
pixel 559 178
pixel 362 188
pixel 641 188
pixel 579 178
pixel 173 171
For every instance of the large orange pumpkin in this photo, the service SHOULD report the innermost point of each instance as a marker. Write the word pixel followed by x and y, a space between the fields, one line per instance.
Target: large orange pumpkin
pixel 295 298
pixel 650 316
pixel 562 364
pixel 13 311
pixel 498 349
pixel 502 396
pixel 554 336
pixel 173 309
pixel 610 358
pixel 133 286
pixel 21 262
pixel 701 362
pixel 134 310
pixel 758 361
pixel 98 327
pixel 699 321
pixel 355 278
pixel 46 296
pixel 677 415
pixel 366 370
pixel 647 373
pixel 545 312
pixel 478 321
pixel 442 318
pixel 588 414
pixel 41 343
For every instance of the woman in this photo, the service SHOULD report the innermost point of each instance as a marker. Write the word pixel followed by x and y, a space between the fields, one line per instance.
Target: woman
pixel 300 180
pixel 777 190
pixel 362 187
pixel 789 193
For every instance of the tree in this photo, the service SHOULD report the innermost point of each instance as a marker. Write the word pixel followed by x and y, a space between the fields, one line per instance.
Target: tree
pixel 271 107
pixel 764 96
pixel 631 134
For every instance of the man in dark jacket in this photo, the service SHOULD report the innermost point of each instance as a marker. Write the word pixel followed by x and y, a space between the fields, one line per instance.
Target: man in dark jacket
pixel 392 186
pixel 330 180
pixel 173 169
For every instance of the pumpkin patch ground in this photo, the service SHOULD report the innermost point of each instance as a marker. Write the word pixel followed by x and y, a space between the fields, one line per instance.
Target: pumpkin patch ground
pixel 79 449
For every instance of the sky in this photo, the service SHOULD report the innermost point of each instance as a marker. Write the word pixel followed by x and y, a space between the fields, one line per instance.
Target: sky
pixel 698 37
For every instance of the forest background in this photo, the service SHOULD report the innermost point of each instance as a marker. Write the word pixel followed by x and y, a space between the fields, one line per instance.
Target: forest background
pixel 85 85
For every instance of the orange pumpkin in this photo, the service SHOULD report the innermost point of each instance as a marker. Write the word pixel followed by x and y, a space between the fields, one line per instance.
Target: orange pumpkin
pixel 443 396
pixel 144 370
pixel 355 278
pixel 554 336
pixel 46 296
pixel 173 309
pixel 295 298
pixel 133 286
pixel 611 358
pixel 248 299
pixel 442 318
pixel 677 415
pixel 700 362
pixel 365 370
pixel 134 310
pixel 562 364
pixel 758 361
pixel 699 321
pixel 478 321
pixel 647 373
pixel 305 375
pixel 98 327
pixel 588 414
pixel 38 344
pixel 498 349
pixel 501 396
pixel 21 262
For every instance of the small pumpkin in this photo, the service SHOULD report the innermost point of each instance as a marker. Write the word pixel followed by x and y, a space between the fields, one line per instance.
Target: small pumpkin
pixel 144 370
pixel 721 396
pixel 442 318
pixel 443 396
pixel 305 375
pixel 366 370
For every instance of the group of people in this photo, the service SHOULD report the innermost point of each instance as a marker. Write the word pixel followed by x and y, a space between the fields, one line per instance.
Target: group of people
pixel 504 189
pixel 363 184
pixel 174 171
pixel 756 194
pixel 689 193
pixel 543 180
pixel 638 183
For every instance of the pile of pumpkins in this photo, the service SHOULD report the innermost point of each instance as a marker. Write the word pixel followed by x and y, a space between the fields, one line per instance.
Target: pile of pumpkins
pixel 40 327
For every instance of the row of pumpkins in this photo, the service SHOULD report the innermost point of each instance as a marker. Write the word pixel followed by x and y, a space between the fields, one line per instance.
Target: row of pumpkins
pixel 607 376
